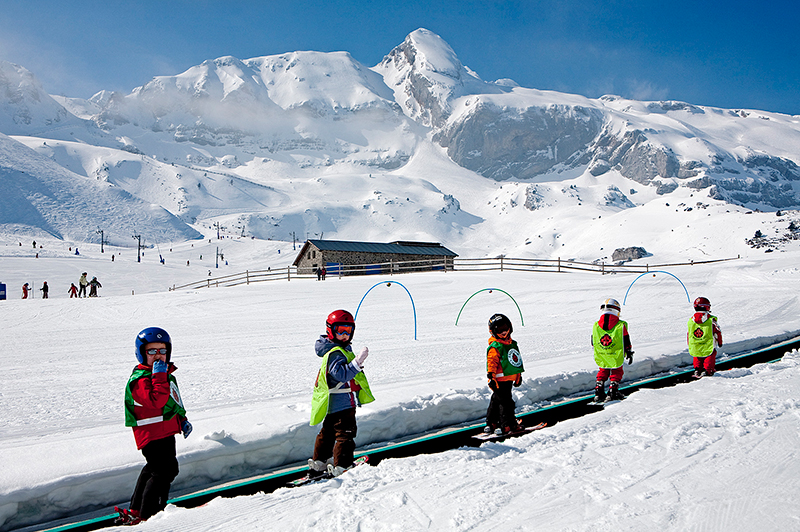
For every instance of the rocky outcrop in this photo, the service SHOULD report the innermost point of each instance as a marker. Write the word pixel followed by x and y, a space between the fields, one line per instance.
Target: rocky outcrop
pixel 507 144
pixel 627 254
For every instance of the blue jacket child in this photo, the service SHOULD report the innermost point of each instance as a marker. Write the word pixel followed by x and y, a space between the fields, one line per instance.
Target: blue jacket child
pixel 340 387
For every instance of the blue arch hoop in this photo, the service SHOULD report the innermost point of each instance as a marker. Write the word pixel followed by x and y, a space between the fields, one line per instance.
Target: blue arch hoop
pixel 389 283
pixel 490 290
pixel 657 271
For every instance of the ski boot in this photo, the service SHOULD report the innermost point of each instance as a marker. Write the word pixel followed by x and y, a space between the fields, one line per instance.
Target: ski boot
pixel 335 470
pixel 127 517
pixel 317 468
pixel 613 392
pixel 599 392
pixel 698 373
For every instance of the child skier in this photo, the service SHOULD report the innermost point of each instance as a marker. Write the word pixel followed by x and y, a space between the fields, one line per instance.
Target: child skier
pixel 154 409
pixel 703 337
pixel 340 387
pixel 504 370
pixel 611 346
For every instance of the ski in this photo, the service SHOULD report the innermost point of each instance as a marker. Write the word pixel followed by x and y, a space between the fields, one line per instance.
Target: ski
pixel 312 477
pixel 605 403
pixel 494 437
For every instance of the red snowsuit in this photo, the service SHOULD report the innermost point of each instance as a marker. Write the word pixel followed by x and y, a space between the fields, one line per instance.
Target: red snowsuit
pixel 152 394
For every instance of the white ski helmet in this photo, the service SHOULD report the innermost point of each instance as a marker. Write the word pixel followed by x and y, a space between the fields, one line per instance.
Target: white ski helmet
pixel 611 306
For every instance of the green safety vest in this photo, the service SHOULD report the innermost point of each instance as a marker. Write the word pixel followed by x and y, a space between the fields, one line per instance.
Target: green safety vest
pixel 319 401
pixel 609 346
pixel 701 337
pixel 173 407
pixel 510 359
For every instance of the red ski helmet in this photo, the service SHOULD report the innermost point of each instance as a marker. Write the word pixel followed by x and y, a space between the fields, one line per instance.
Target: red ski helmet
pixel 702 304
pixel 499 323
pixel 339 318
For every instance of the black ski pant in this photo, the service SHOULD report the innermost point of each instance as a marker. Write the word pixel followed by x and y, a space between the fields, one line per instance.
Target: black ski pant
pixel 336 438
pixel 152 489
pixel 501 406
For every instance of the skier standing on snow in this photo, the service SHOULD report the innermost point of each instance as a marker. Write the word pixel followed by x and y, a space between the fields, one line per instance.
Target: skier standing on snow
pixel 94 284
pixel 504 370
pixel 25 291
pixel 83 282
pixel 45 290
pixel 154 409
pixel 73 290
pixel 704 337
pixel 340 387
pixel 612 346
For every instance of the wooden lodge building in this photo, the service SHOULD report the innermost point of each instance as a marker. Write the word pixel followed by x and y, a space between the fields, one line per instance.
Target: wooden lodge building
pixel 360 258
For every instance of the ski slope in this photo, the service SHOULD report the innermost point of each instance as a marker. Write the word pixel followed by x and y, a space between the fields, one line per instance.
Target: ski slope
pixel 246 368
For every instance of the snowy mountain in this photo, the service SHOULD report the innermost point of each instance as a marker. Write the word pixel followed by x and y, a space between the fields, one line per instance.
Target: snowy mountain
pixel 417 147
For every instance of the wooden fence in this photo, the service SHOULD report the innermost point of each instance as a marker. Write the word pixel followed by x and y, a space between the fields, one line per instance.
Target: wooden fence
pixel 446 264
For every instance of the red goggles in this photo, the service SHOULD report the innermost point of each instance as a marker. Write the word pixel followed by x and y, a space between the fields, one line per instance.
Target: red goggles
pixel 342 330
pixel 159 351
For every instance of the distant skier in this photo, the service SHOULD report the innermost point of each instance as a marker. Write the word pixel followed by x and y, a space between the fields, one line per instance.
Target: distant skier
pixel 503 369
pixel 703 337
pixel 340 387
pixel 153 408
pixel 94 284
pixel 612 346
pixel 73 290
pixel 25 289
pixel 45 290
pixel 324 272
pixel 83 282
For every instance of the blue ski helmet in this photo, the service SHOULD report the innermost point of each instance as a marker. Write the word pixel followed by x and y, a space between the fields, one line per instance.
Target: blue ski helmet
pixel 149 335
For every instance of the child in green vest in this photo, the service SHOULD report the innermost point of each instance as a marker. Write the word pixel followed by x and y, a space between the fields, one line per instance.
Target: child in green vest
pixel 703 337
pixel 504 370
pixel 153 408
pixel 612 346
pixel 340 387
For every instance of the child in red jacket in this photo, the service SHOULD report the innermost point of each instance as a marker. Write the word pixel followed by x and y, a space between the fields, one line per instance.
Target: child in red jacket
pixel 154 409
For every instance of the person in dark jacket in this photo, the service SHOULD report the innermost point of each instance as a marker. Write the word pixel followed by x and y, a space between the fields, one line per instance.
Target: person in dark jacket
pixel 94 284
pixel 45 290
pixel 153 408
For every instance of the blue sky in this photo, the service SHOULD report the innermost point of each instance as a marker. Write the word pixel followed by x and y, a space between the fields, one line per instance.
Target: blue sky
pixel 724 54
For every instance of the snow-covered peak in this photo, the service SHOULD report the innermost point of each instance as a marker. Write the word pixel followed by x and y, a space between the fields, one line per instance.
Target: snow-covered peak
pixel 25 107
pixel 426 76
pixel 431 53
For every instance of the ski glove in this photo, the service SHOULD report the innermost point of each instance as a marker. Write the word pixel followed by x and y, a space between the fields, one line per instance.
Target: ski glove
pixel 159 366
pixel 629 356
pixel 492 382
pixel 362 357
pixel 186 428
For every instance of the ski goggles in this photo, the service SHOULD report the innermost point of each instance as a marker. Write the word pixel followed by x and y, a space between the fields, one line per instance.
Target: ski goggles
pixel 342 330
pixel 158 351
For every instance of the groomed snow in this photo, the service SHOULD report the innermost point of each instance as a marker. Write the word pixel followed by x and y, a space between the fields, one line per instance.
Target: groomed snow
pixel 718 454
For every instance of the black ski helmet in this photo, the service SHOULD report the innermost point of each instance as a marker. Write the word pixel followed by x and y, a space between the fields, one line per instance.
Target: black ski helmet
pixel 151 335
pixel 499 323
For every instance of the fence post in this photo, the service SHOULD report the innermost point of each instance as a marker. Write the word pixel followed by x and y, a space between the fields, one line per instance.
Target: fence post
pixel 603 267
pixel 647 267
pixel 501 263
pixel 288 273
pixel 247 276
pixel 208 283
pixel 559 264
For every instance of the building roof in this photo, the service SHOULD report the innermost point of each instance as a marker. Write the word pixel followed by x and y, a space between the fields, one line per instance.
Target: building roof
pixel 399 247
